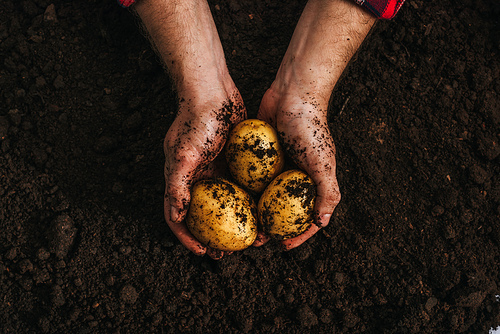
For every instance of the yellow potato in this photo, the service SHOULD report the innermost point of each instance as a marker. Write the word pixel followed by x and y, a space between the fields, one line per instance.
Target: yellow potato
pixel 254 155
pixel 287 205
pixel 222 215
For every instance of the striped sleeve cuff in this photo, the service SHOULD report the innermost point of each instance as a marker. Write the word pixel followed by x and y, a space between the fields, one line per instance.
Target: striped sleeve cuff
pixel 126 3
pixel 383 9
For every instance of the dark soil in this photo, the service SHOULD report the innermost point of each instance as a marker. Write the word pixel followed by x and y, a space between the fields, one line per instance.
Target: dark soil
pixel 412 247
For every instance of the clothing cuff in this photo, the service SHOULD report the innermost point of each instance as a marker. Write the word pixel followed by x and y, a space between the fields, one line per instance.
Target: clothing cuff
pixel 382 9
pixel 126 3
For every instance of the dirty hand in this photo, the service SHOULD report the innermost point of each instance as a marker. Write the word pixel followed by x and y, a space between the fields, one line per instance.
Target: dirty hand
pixel 327 35
pixel 185 36
pixel 191 146
pixel 302 126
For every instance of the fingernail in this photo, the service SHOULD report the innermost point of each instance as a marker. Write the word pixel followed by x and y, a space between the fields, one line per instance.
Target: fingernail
pixel 324 220
pixel 200 251
pixel 174 214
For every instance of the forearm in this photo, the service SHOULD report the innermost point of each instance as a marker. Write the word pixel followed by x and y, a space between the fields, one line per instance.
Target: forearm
pixel 186 38
pixel 328 34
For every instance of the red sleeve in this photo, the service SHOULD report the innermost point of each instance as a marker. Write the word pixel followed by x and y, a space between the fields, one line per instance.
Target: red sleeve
pixel 383 9
pixel 126 3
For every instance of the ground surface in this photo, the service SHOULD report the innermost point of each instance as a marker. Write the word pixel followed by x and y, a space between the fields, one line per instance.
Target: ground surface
pixel 412 247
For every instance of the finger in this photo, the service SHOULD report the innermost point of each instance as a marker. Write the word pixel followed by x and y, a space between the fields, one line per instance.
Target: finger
pixel 320 164
pixel 185 237
pixel 177 191
pixel 215 254
pixel 300 239
pixel 327 198
pixel 267 112
pixel 217 168
pixel 261 239
pixel 181 231
pixel 266 116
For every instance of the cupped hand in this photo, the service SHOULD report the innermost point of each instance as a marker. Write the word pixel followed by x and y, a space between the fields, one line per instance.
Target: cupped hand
pixel 191 146
pixel 301 122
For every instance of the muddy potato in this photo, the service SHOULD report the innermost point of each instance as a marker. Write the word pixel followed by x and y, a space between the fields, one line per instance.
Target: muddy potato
pixel 254 155
pixel 286 207
pixel 222 215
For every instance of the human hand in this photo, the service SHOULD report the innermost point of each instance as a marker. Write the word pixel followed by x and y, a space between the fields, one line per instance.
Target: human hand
pixel 327 35
pixel 301 123
pixel 191 146
pixel 185 36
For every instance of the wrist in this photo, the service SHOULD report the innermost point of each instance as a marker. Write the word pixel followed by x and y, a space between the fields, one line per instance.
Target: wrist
pixel 206 82
pixel 185 37
pixel 291 81
pixel 326 37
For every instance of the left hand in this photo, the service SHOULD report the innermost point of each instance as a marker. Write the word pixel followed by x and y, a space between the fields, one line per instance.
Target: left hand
pixel 192 146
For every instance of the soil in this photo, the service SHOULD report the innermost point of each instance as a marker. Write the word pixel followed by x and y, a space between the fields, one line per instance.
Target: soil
pixel 413 247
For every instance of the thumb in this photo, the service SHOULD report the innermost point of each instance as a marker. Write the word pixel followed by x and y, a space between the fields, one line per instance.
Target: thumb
pixel 267 108
pixel 264 114
pixel 327 198
pixel 178 187
pixel 177 192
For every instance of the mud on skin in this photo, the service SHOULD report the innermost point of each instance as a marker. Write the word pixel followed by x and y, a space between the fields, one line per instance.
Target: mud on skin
pixel 412 247
pixel 321 142
pixel 217 132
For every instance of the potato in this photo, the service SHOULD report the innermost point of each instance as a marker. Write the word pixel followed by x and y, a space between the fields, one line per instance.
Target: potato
pixel 286 207
pixel 222 215
pixel 254 155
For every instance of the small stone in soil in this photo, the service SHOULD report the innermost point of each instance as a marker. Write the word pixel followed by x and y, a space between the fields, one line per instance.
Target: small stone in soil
pixel 61 235
pixel 307 317
pixel 326 316
pixel 4 127
pixel 57 296
pixel 42 254
pixel 129 294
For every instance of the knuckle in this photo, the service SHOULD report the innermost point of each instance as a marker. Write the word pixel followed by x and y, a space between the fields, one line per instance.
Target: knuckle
pixel 167 146
pixel 166 171
pixel 173 190
pixel 337 196
pixel 331 198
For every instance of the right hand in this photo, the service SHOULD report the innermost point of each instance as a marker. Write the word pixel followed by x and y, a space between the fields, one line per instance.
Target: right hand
pixel 193 141
pixel 301 121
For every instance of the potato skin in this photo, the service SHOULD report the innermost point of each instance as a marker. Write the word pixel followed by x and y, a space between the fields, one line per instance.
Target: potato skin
pixel 222 215
pixel 287 205
pixel 254 155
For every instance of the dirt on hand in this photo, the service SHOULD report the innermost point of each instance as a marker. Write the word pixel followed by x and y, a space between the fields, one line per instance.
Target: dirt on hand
pixel 413 247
